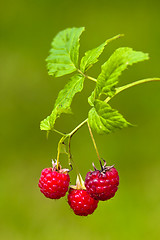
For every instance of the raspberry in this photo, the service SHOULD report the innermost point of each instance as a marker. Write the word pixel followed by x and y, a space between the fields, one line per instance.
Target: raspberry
pixel 54 183
pixel 81 202
pixel 102 184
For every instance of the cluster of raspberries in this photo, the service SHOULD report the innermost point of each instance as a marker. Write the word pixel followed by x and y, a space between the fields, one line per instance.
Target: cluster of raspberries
pixel 99 185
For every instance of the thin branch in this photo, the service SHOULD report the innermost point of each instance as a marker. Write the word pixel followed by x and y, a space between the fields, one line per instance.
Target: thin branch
pixel 91 78
pixel 94 143
pixel 86 76
pixel 78 127
pixel 120 89
pixel 63 134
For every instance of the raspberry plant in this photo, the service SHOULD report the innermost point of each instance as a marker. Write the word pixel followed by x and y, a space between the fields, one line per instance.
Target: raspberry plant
pixel 63 59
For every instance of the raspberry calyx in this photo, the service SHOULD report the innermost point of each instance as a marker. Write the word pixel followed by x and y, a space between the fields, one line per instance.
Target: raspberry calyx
pixel 79 200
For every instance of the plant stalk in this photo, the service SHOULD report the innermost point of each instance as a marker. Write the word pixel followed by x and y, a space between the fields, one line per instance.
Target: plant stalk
pixel 63 134
pixel 86 76
pixel 94 143
pixel 59 148
pixel 120 89
pixel 78 127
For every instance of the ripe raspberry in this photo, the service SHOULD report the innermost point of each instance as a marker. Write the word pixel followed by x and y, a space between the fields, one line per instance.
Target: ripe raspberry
pixel 79 200
pixel 54 183
pixel 102 185
pixel 81 203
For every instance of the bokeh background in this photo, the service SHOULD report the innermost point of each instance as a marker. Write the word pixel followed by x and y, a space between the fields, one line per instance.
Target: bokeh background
pixel 27 96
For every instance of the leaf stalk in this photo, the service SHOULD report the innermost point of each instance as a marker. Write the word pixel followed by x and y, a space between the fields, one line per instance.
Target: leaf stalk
pixel 86 76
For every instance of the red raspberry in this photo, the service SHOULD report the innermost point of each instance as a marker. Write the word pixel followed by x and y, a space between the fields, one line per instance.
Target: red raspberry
pixel 81 203
pixel 54 183
pixel 102 185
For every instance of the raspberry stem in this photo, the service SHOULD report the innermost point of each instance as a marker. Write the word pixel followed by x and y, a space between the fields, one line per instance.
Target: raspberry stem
pixel 120 89
pixel 63 134
pixel 59 149
pixel 86 76
pixel 69 136
pixel 94 143
pixel 78 127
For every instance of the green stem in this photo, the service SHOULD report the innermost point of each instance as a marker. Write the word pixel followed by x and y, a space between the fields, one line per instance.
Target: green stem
pixel 108 98
pixel 86 76
pixel 120 89
pixel 115 37
pixel 69 136
pixel 94 143
pixel 69 151
pixel 70 159
pixel 63 134
pixel 78 127
pixel 59 149
pixel 91 78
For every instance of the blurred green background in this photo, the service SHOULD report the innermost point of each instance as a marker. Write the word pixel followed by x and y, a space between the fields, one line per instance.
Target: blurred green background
pixel 27 96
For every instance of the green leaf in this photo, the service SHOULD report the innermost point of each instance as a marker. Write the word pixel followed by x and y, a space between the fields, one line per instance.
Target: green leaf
pixel 91 56
pixel 104 119
pixel 64 52
pixel 112 69
pixel 63 102
pixel 45 124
